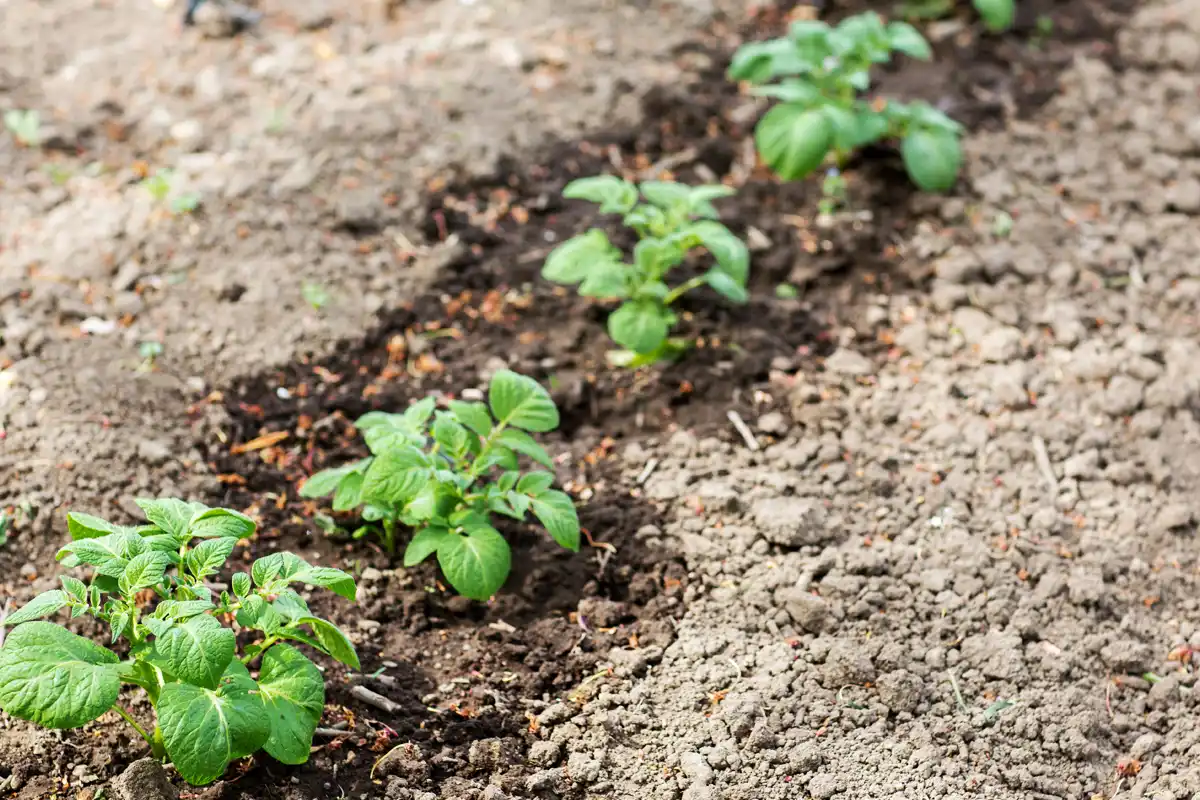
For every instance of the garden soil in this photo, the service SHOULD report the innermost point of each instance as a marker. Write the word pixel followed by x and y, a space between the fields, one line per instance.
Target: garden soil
pixel 961 557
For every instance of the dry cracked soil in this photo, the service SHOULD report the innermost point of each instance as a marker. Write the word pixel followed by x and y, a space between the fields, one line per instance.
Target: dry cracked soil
pixel 956 553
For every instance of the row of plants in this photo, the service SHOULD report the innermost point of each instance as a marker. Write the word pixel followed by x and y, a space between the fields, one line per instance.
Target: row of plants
pixel 441 473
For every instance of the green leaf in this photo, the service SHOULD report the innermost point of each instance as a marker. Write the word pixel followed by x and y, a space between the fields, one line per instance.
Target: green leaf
pixel 522 402
pixel 434 500
pixel 614 195
pixel 508 480
pixel 474 415
pixel 198 651
pixel 998 15
pixel 932 159
pixel 336 581
pixel 205 729
pixel 654 257
pixel 44 605
pixel 218 522
pixel 730 252
pixel 256 613
pixel 119 623
pixel 451 435
pixel 74 587
pixel 170 514
pixel 475 564
pixel 332 640
pixel 143 571
pixel 666 194
pixel 108 554
pixel 726 286
pixel 639 326
pixel 606 279
pixel 241 584
pixel 534 483
pixel 424 543
pixel 793 140
pixel 349 493
pixel 908 40
pixel 524 444
pixel 85 526
pixel 556 512
pixel 571 261
pixel 792 90
pixel 396 476
pixel 54 678
pixel 326 481
pixel 383 431
pixel 290 605
pixel 293 690
pixel 207 558
pixel 179 610
pixel 700 199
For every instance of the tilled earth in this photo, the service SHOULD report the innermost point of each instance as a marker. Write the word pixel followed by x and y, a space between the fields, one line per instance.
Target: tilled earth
pixel 960 558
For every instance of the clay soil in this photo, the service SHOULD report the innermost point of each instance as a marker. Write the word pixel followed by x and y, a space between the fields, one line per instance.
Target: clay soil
pixel 882 599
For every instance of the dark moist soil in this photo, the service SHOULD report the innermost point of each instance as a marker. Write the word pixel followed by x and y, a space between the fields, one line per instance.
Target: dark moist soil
pixel 462 672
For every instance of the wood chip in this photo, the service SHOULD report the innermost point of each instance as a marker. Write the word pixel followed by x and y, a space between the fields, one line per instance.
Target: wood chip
pixel 377 700
pixel 259 443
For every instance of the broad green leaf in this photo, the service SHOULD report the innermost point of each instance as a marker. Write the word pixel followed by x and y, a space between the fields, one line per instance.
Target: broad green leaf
pixel 792 90
pixel 74 587
pixel 290 605
pixel 498 456
pixel 730 252
pixel 606 279
pixel 165 543
pixel 654 257
pixel 451 435
pixel 908 40
pixel 208 557
pixel 700 199
pixel 615 196
pixel 522 402
pixel 44 605
pixel 334 580
pixel 383 431
pixel 508 480
pixel 198 651
pixel 158 626
pixel 277 568
pixel 115 548
pixel 349 494
pixel 293 690
pixel 170 514
pixel 639 326
pixel 256 613
pixel 241 584
pixel 666 194
pixel 474 415
pixel 726 286
pixel 652 290
pixel 435 500
pixel 534 483
pixel 143 571
pixel 998 15
pixel 326 481
pixel 570 262
pixel 85 526
pixel 524 444
pixel 219 522
pixel 179 610
pixel 519 504
pixel 54 678
pixel 396 476
pixel 205 729
pixel 932 159
pixel 419 413
pixel 793 140
pixel 333 641
pixel 759 62
pixel 424 544
pixel 475 564
pixel 120 623
pixel 556 511
pixel 294 635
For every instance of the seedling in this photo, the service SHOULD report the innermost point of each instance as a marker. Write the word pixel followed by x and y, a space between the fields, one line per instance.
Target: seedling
pixel 314 294
pixel 435 471
pixel 158 184
pixel 817 73
pixel 25 126
pixel 833 191
pixel 209 710
pixel 675 220
pixel 185 203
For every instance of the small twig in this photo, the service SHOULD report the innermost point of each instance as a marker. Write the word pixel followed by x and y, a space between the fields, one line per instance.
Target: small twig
pixel 669 163
pixel 743 429
pixel 1042 459
pixel 331 733
pixel 957 694
pixel 1108 699
pixel 647 470
pixel 377 700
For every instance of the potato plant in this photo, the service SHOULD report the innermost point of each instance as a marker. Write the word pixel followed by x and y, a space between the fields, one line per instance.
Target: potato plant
pixel 674 220
pixel 443 473
pixel 818 72
pixel 181 648
pixel 997 15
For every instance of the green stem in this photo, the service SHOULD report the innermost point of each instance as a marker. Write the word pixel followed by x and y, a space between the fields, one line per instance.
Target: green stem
pixel 683 288
pixel 262 648
pixel 133 722
pixel 389 535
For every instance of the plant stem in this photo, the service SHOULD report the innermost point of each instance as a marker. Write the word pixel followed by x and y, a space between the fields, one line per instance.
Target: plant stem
pixel 262 648
pixel 682 289
pixel 389 535
pixel 141 731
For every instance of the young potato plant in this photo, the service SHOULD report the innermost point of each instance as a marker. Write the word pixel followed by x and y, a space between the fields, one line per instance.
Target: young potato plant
pixel 675 220
pixel 181 650
pixel 817 73
pixel 444 480
pixel 997 15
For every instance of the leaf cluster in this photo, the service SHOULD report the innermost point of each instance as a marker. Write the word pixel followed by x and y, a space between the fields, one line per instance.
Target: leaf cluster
pixel 673 220
pixel 817 72
pixel 149 584
pixel 444 472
